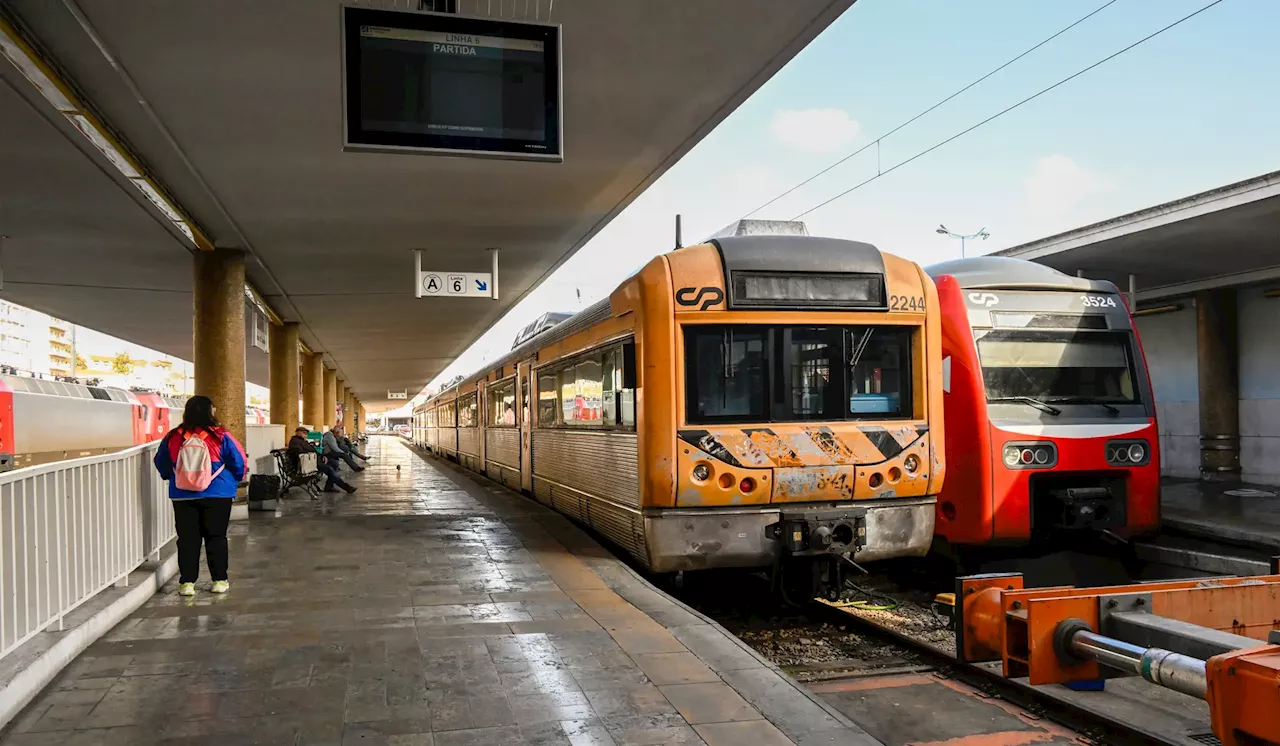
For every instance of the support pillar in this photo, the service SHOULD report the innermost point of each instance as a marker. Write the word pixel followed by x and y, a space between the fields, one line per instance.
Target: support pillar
pixel 283 359
pixel 219 334
pixel 349 411
pixel 1218 363
pixel 343 393
pixel 313 390
pixel 330 397
pixel 359 416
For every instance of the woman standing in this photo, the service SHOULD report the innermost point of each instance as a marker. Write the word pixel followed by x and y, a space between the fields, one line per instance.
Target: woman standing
pixel 203 465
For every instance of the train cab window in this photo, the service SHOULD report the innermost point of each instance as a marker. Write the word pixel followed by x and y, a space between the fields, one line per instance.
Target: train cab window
pixel 502 404
pixel 879 371
pixel 814 354
pixel 1057 366
pixel 725 373
pixel 797 373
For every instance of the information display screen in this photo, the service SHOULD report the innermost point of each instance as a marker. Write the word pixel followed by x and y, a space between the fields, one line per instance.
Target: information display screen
pixel 446 83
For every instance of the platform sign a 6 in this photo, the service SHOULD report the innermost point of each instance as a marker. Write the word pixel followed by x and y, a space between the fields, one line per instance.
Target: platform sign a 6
pixel 432 284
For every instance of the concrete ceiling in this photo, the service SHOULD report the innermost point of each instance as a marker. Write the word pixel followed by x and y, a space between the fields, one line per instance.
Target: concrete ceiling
pixel 241 123
pixel 1225 236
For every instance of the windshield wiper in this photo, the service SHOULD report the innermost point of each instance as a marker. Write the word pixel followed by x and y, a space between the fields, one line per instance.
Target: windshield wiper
pixel 1029 401
pixel 1087 400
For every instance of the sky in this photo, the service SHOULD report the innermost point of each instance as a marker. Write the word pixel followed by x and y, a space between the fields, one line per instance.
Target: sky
pixel 1192 109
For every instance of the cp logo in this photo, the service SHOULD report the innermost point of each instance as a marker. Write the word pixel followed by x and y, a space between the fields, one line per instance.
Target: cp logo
pixel 983 299
pixel 694 296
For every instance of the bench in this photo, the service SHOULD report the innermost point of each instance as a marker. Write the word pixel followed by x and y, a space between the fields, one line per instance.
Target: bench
pixel 298 471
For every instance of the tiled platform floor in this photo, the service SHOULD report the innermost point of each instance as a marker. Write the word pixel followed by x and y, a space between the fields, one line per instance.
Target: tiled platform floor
pixel 427 609
pixel 1228 512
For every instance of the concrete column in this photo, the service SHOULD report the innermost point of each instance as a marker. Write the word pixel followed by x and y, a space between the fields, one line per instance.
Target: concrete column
pixel 313 390
pixel 283 359
pixel 330 397
pixel 349 410
pixel 219 334
pixel 1218 364
pixel 343 392
pixel 359 417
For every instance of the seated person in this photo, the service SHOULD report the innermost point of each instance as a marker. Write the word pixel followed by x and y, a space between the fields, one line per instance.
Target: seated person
pixel 331 447
pixel 350 447
pixel 299 445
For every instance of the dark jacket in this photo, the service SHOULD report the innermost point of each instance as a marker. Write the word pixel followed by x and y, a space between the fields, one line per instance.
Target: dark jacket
pixel 299 445
pixel 225 452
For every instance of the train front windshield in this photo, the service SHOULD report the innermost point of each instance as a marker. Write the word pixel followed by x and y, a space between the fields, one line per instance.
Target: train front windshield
pixel 1058 366
pixel 757 374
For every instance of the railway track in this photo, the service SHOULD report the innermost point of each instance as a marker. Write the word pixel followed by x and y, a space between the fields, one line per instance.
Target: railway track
pixel 887 660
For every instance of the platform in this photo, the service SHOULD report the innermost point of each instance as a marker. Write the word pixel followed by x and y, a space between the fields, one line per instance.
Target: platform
pixel 1227 512
pixel 429 608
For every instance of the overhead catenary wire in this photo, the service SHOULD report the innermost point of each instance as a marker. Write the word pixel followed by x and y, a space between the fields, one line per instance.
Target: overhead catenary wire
pixel 1004 111
pixel 876 143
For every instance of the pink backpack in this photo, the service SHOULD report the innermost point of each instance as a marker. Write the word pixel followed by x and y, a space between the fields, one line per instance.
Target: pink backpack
pixel 193 468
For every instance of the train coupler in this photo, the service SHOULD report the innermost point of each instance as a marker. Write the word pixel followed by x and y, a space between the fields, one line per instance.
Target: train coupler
pixel 818 532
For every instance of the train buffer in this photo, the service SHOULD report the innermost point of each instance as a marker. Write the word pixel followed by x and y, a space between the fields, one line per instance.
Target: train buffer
pixel 1211 638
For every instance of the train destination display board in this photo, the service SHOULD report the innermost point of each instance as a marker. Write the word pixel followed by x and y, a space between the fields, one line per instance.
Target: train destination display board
pixel 439 83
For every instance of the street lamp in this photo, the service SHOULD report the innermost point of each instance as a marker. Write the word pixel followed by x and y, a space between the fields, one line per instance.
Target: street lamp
pixel 982 233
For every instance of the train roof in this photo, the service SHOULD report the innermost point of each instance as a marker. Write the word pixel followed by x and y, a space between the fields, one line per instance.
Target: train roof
pixel 1007 273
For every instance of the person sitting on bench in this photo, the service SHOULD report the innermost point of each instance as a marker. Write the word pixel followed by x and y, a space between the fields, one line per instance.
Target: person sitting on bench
pixel 299 445
pixel 332 448
pixel 349 446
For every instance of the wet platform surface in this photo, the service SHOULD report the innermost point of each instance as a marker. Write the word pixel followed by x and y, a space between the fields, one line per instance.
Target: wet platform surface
pixel 427 609
pixel 1234 513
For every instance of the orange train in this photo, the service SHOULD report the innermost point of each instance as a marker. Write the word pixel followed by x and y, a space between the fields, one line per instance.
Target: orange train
pixel 753 401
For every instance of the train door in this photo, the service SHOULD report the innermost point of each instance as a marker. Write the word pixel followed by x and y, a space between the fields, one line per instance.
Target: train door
pixel 526 430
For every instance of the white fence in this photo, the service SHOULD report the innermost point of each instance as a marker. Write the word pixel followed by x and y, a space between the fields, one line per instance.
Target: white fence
pixel 72 528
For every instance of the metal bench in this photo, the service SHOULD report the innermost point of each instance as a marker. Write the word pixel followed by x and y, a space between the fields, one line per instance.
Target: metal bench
pixel 298 470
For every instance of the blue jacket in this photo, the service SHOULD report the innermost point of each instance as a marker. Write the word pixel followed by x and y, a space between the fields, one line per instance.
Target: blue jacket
pixel 228 454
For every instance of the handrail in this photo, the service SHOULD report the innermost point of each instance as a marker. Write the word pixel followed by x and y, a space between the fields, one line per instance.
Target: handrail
pixel 70 529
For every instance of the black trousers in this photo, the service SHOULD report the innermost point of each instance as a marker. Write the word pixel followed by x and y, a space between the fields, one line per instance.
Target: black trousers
pixel 202 520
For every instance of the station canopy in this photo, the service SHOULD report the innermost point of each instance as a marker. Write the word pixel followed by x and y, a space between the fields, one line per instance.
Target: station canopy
pixel 234 110
pixel 1219 238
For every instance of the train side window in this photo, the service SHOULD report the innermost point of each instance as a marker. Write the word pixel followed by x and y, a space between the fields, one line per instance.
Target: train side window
pixel 502 403
pixel 467 411
pixel 547 396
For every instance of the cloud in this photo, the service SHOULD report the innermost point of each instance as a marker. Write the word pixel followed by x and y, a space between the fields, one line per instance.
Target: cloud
pixel 1057 185
pixel 814 130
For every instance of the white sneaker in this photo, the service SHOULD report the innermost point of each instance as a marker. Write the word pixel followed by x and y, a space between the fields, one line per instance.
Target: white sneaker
pixel 220 586
pixel 187 589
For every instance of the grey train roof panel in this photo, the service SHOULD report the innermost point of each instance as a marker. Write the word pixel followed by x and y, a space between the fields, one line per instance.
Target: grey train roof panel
pixel 791 253
pixel 998 272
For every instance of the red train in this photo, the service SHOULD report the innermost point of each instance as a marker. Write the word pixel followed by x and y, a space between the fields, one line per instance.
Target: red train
pixel 44 420
pixel 1051 424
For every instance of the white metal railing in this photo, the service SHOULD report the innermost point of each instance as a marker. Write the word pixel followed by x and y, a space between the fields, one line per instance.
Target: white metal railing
pixel 72 528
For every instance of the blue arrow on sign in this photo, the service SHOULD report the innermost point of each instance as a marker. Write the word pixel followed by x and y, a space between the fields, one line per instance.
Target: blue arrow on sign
pixel 482 285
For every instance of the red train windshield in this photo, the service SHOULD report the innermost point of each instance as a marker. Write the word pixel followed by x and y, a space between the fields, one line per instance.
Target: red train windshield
pixel 1057 366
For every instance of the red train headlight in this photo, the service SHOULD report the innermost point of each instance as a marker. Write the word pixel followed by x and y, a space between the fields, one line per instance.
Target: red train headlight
pixel 1128 452
pixel 1039 455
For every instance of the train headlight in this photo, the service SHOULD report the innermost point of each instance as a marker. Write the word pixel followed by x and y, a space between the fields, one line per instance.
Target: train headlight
pixel 1040 455
pixel 911 463
pixel 702 472
pixel 1128 452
